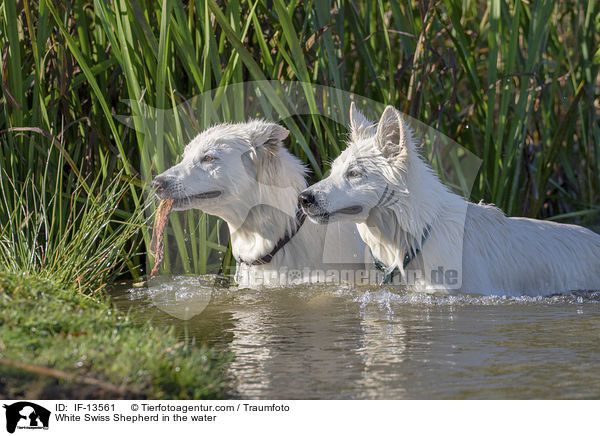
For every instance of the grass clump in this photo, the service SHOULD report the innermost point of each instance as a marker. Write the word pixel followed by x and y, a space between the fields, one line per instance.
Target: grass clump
pixel 96 350
pixel 81 240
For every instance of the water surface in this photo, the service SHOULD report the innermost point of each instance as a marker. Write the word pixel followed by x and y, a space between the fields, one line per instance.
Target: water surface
pixel 332 342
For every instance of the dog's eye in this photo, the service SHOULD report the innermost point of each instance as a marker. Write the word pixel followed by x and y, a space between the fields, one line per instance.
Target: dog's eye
pixel 207 159
pixel 353 174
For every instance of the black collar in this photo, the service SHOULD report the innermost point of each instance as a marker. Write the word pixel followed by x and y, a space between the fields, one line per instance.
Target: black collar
pixel 300 218
pixel 408 258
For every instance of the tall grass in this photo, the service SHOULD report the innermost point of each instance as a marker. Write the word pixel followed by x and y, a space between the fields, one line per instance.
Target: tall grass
pixel 79 240
pixel 516 83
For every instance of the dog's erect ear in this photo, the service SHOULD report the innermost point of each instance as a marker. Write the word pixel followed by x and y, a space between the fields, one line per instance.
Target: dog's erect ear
pixel 261 160
pixel 360 126
pixel 270 136
pixel 392 134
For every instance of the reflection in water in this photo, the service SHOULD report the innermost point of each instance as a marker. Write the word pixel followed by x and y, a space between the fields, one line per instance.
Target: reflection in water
pixel 339 342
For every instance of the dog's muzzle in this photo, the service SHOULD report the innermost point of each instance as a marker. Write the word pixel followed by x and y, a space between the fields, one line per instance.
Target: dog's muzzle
pixel 311 207
pixel 164 191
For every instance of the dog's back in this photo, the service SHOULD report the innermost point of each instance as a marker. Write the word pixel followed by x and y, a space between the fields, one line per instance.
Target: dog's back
pixel 519 256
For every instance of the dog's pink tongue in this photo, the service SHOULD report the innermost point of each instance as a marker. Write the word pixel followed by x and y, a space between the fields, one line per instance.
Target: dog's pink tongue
pixel 158 233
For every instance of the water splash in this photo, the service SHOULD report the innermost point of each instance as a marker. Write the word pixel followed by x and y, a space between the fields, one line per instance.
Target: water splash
pixel 186 296
pixel 385 297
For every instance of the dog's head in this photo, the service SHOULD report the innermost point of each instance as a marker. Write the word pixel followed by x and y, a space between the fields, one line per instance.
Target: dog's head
pixel 370 173
pixel 223 164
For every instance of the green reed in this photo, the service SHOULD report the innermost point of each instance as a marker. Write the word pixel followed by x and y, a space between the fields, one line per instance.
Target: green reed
pixel 516 83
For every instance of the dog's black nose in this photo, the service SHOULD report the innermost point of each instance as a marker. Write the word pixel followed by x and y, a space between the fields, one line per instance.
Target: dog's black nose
pixel 159 182
pixel 306 199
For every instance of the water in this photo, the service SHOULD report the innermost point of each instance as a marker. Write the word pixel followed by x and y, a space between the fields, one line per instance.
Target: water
pixel 327 342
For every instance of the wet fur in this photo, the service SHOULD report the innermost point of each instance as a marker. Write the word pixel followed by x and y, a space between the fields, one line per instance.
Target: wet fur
pixel 402 196
pixel 260 181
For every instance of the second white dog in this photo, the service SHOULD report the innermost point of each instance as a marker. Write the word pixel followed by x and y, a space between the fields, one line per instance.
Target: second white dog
pixel 436 239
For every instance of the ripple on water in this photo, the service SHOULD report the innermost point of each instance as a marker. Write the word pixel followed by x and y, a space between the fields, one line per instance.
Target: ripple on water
pixel 183 288
pixel 385 297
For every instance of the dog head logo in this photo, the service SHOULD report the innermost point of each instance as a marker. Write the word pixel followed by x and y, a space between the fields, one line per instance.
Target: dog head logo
pixel 26 415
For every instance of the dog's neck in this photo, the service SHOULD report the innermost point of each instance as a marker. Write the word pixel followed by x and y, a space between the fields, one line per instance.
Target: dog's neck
pixel 267 212
pixel 393 231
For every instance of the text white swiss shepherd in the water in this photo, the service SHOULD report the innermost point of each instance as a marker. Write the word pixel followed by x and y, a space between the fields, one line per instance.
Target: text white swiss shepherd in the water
pixel 243 174
pixel 414 223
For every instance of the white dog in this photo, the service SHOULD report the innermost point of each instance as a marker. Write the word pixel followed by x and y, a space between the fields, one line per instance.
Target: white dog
pixel 242 174
pixel 436 239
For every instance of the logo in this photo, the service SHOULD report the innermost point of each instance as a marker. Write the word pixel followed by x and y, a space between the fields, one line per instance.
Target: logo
pixel 26 415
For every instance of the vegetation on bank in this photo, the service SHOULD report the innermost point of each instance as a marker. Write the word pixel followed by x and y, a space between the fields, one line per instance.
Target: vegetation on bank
pixel 60 337
pixel 79 346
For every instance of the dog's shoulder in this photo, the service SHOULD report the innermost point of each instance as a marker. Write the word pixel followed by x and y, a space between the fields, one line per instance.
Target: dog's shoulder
pixel 485 212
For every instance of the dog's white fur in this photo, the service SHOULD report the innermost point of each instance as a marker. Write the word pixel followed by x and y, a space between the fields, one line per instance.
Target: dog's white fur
pixel 259 182
pixel 493 254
